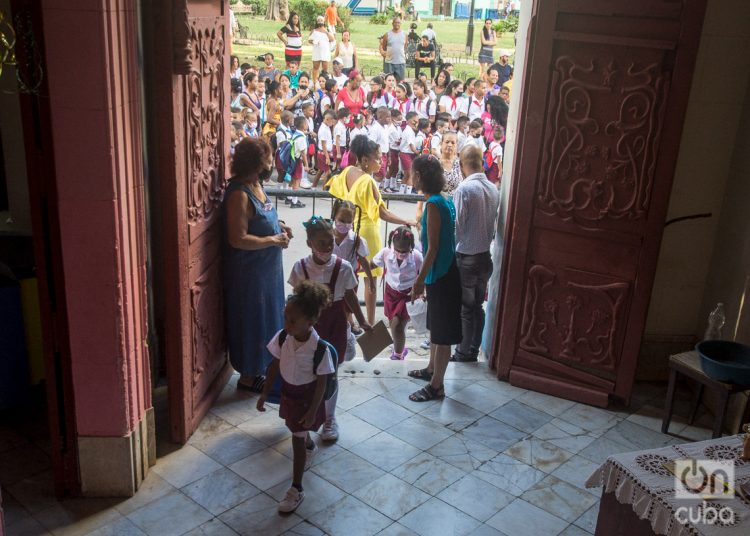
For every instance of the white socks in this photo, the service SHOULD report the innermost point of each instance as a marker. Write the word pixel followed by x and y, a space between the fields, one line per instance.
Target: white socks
pixel 331 404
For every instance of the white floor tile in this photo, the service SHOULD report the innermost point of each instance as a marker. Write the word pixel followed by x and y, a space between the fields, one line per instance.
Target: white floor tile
pixel 420 432
pixel 520 518
pixel 172 514
pixel 438 517
pixel 385 451
pixel 428 473
pixel 219 491
pixel 391 496
pixel 381 413
pixel 264 469
pixel 476 497
pixel 184 466
pixel 559 498
pixel 348 471
pixel 259 515
pixel 350 517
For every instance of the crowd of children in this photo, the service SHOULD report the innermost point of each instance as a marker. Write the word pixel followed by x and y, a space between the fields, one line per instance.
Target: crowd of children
pixel 310 127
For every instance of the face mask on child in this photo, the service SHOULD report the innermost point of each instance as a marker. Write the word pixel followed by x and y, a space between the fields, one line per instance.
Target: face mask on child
pixel 325 257
pixel 252 125
pixel 401 255
pixel 342 227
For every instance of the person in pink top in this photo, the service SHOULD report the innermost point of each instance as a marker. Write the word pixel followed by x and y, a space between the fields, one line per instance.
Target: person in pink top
pixel 352 96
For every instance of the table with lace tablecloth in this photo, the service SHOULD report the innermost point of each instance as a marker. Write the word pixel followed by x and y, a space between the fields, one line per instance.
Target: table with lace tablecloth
pixel 638 495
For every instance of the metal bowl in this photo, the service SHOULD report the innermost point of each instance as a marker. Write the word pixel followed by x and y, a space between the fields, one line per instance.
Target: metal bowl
pixel 725 361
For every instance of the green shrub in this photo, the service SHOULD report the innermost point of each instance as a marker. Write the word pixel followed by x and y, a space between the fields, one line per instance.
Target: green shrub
pixel 261 6
pixel 232 2
pixel 309 10
pixel 508 25
pixel 383 18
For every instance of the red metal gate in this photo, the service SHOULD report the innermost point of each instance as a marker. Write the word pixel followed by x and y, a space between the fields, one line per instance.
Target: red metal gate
pixel 604 95
pixel 193 132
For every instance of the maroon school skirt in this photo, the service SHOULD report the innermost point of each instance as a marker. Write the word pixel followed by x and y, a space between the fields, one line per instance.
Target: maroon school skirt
pixel 406 161
pixel 394 303
pixel 332 326
pixel 392 163
pixel 295 402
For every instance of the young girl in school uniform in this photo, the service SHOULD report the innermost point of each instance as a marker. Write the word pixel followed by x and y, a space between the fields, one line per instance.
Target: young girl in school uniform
pixel 324 267
pixel 402 264
pixel 302 384
pixel 350 246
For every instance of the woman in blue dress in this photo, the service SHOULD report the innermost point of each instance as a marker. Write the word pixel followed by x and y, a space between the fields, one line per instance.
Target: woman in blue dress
pixel 253 274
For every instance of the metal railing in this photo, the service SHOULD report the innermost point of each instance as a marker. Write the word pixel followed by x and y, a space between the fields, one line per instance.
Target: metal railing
pixel 314 193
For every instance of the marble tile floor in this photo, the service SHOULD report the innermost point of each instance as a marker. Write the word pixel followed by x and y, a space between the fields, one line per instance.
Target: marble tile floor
pixel 489 459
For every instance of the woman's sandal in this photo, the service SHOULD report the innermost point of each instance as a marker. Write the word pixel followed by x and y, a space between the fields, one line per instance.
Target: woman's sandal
pixel 255 387
pixel 420 374
pixel 427 393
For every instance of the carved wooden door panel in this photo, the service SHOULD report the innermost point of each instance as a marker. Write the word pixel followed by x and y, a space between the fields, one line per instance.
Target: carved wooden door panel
pixel 197 364
pixel 605 90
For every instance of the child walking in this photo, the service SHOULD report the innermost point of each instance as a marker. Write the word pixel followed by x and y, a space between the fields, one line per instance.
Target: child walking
pixel 324 267
pixel 350 246
pixel 303 384
pixel 402 264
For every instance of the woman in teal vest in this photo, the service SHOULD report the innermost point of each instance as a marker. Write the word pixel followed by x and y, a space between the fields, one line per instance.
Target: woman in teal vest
pixel 439 276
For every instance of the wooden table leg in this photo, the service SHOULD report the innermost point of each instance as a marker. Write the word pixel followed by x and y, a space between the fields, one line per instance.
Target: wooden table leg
pixel 722 397
pixel 669 402
pixel 696 403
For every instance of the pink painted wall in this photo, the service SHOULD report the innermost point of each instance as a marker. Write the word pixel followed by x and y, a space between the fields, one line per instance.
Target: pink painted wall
pixel 93 84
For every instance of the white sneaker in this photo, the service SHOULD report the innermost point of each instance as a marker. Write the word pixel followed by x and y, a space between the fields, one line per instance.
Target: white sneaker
pixel 425 344
pixel 330 431
pixel 292 500
pixel 310 456
pixel 306 184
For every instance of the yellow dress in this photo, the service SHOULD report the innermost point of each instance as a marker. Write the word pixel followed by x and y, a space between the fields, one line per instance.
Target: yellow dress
pixel 361 194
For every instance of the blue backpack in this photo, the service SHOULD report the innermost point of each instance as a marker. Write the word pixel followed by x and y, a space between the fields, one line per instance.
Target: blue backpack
pixel 320 352
pixel 288 155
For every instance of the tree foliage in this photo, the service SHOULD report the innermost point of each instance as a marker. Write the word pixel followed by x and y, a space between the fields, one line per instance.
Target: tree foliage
pixel 508 25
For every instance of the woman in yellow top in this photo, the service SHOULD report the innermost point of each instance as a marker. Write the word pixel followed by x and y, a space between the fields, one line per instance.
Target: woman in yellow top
pixel 355 184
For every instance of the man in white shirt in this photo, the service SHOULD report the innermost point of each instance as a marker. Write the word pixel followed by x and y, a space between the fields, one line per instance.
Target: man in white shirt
pixel 477 201
pixel 338 74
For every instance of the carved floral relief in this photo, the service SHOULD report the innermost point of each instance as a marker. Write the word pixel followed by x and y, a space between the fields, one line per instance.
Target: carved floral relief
pixel 573 320
pixel 602 138
pixel 205 93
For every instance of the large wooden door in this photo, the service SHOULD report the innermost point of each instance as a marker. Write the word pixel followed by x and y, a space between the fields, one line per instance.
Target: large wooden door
pixel 193 114
pixel 605 89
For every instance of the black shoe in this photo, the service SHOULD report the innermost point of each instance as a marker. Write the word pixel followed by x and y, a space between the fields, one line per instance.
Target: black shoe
pixel 460 358
pixel 287 200
pixel 300 204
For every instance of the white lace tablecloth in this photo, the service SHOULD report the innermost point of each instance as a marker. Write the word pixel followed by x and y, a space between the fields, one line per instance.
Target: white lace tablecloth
pixel 640 479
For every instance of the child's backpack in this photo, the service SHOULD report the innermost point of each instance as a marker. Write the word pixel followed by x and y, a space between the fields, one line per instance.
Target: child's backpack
pixel 288 155
pixel 491 168
pixel 320 352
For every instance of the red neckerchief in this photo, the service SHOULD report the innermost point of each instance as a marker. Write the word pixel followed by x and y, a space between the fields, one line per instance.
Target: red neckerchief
pixel 401 105
pixel 454 99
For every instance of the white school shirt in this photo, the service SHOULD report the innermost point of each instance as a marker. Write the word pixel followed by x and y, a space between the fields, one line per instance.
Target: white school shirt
pixel 475 108
pixel 282 134
pixel 300 143
pixel 419 141
pixel 296 363
pixel 408 137
pixel 310 124
pixel 403 107
pixel 496 150
pixel 394 137
pixel 454 108
pixel 325 101
pixel 399 277
pixel 341 80
pixel 461 140
pixel 479 142
pixel 435 142
pixel 322 274
pixel 364 131
pixel 425 107
pixel 379 135
pixel 345 249
pixel 325 134
pixel 383 100
pixel 340 130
